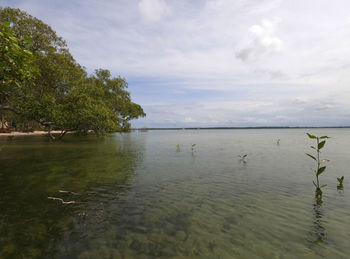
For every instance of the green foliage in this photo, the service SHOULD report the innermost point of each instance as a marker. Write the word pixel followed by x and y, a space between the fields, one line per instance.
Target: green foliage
pixel 24 26
pixel 320 169
pixel 37 99
pixel 62 96
pixel 178 148
pixel 340 180
pixel 311 136
pixel 100 103
pixel 314 158
pixel 321 144
pixel 16 64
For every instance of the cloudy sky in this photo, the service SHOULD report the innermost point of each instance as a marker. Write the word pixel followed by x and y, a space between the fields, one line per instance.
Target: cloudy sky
pixel 215 62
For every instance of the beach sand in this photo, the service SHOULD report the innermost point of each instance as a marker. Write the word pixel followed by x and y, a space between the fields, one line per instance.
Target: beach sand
pixel 15 133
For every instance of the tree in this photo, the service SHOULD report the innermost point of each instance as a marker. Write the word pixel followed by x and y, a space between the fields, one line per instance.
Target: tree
pixel 116 98
pixel 58 70
pixel 101 104
pixel 16 66
pixel 38 98
pixel 63 96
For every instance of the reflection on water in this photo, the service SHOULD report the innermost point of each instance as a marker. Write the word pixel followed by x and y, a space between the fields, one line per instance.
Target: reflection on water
pixel 90 172
pixel 340 187
pixel 318 231
pixel 135 195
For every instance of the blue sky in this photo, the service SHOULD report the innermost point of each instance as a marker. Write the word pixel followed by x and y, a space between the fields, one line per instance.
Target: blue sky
pixel 215 62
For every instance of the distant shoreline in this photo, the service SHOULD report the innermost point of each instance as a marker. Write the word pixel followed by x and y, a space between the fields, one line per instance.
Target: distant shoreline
pixel 224 128
pixel 34 133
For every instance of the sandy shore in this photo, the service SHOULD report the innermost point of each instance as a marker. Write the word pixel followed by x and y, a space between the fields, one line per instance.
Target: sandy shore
pixel 27 134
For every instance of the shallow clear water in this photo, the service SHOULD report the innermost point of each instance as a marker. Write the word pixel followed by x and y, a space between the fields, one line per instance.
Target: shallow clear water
pixel 136 195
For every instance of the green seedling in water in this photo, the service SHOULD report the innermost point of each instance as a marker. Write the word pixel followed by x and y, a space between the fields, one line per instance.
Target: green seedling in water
pixel 192 147
pixel 340 180
pixel 320 142
pixel 177 148
pixel 242 157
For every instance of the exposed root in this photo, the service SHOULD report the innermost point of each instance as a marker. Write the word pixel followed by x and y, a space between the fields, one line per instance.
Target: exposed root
pixel 74 193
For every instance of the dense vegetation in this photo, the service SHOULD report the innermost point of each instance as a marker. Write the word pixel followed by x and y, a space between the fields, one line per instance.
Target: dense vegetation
pixel 42 83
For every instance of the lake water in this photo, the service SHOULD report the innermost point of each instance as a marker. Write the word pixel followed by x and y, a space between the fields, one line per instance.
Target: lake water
pixel 138 195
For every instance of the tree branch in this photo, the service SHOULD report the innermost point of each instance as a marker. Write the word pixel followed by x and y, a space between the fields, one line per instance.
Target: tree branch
pixel 9 108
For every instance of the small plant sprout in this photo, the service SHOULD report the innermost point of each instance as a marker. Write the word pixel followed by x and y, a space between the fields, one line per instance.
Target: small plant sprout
pixel 278 142
pixel 320 142
pixel 192 147
pixel 242 157
pixel 340 181
pixel 178 148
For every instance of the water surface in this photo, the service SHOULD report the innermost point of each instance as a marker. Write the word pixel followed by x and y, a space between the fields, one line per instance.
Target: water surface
pixel 136 195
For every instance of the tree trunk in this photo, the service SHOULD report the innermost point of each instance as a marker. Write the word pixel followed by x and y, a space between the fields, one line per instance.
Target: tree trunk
pixel 52 137
pixel 63 132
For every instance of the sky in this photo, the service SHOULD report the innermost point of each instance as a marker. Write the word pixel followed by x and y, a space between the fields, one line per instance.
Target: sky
pixel 209 63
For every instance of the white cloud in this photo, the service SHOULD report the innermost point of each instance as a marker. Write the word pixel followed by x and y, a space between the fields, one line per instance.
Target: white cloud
pixel 263 40
pixel 153 10
pixel 264 35
pixel 189 119
pixel 296 56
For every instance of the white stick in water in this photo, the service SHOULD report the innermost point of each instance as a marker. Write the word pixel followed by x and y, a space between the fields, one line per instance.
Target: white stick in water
pixel 59 199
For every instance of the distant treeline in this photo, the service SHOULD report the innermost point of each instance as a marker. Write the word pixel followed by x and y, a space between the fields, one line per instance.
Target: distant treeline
pixel 215 128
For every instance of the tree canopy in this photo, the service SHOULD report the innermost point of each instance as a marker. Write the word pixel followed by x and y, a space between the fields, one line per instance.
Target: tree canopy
pixel 61 95
pixel 16 64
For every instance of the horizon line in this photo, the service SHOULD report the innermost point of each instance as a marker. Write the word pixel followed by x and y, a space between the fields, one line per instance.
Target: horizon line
pixel 257 127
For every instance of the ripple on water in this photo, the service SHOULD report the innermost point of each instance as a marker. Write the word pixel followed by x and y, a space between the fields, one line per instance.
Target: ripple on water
pixel 139 198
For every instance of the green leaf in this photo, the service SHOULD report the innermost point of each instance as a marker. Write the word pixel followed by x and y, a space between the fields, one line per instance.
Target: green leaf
pixel 13 38
pixel 6 24
pixel 321 170
pixel 27 52
pixel 29 40
pixel 310 136
pixel 321 144
pixel 314 158
pixel 340 180
pixel 324 137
